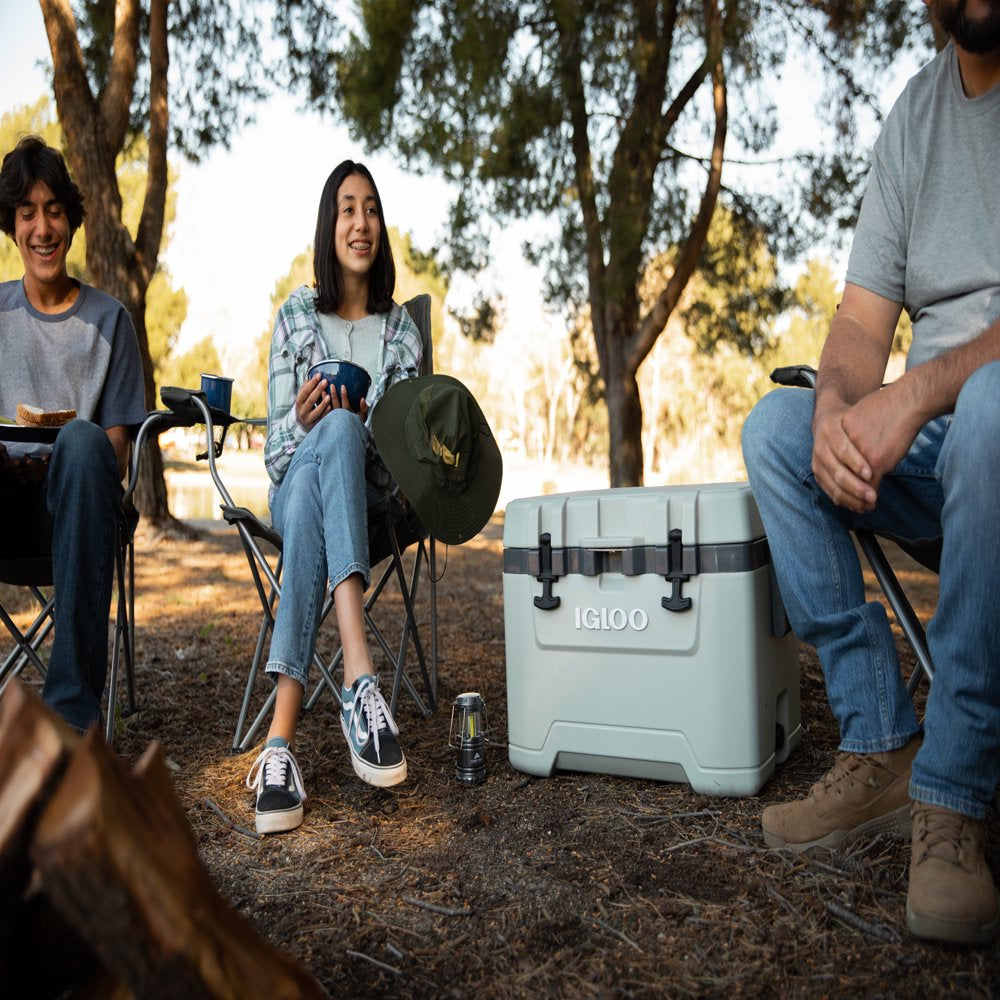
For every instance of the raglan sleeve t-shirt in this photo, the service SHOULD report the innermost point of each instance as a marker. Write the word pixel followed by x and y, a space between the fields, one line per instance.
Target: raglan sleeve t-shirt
pixel 85 359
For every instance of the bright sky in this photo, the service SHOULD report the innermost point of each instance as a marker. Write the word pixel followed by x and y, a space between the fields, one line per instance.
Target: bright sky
pixel 245 212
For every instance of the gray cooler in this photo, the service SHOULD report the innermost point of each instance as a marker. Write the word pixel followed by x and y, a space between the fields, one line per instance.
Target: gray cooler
pixel 645 636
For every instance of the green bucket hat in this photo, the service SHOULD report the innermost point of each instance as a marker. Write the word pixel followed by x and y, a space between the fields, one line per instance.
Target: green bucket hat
pixel 437 445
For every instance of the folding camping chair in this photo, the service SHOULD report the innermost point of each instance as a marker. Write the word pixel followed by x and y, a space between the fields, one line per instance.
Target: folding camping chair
pixel 928 554
pixel 34 574
pixel 393 527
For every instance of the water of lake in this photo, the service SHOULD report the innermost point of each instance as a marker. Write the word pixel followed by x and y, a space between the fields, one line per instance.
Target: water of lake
pixel 195 498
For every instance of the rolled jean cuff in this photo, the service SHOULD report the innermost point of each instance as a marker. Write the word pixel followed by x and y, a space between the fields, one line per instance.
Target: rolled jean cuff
pixel 350 570
pixel 946 800
pixel 275 667
pixel 881 745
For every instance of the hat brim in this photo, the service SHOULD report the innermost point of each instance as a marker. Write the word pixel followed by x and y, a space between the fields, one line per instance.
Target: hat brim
pixel 451 518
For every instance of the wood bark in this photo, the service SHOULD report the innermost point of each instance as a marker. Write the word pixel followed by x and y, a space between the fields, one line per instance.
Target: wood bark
pixel 96 129
pixel 615 245
pixel 100 860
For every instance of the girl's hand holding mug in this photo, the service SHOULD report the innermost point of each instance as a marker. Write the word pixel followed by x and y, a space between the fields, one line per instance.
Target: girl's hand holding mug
pixel 314 401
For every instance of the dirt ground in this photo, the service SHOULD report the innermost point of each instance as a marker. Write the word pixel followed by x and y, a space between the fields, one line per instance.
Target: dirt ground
pixel 579 885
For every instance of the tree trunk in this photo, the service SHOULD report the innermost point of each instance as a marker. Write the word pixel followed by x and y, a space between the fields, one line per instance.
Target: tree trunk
pixel 95 133
pixel 151 493
pixel 624 414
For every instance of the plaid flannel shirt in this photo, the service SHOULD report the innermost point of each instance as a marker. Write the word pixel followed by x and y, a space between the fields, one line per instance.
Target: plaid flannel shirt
pixel 296 344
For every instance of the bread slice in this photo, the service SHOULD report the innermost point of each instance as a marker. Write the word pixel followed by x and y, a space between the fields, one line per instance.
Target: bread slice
pixel 34 416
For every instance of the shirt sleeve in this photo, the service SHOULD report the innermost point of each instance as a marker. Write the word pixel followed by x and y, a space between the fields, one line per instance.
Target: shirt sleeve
pixel 284 432
pixel 879 251
pixel 123 398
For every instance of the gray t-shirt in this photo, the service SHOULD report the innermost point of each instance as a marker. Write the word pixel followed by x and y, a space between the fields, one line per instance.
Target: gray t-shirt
pixel 85 359
pixel 929 231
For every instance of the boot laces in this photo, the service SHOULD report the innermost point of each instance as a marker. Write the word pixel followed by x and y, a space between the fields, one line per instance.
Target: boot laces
pixel 946 836
pixel 846 768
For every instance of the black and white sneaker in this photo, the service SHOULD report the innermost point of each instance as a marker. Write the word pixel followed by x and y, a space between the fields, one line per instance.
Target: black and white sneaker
pixel 276 778
pixel 371 734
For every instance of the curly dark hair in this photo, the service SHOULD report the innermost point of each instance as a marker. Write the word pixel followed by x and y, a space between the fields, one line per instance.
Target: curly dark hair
pixel 30 161
pixel 326 267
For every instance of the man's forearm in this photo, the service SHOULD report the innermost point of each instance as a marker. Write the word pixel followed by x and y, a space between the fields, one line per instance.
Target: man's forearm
pixel 932 388
pixel 852 364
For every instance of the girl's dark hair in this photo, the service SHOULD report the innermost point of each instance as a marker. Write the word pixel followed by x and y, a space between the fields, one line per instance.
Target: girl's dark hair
pixel 30 161
pixel 326 267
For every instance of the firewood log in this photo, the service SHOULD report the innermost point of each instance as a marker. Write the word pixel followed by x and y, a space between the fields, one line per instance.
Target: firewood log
pixel 117 858
pixel 40 954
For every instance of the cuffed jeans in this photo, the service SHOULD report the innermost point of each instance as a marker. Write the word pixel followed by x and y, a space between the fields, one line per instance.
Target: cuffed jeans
pixel 74 515
pixel 947 486
pixel 321 512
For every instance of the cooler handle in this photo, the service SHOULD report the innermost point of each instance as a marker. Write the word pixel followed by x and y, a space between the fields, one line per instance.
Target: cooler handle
pixel 611 543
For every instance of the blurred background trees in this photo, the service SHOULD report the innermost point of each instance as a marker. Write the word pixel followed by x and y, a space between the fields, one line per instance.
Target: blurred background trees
pixel 635 139
pixel 614 122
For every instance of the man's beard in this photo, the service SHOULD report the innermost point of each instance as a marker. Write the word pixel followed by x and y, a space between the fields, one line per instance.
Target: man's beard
pixel 975 36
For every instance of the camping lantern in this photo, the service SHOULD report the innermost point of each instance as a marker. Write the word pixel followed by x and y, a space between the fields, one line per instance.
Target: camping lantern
pixel 470 764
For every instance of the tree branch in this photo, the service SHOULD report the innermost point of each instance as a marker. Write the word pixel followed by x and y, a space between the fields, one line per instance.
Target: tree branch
pixel 572 84
pixel 115 101
pixel 74 99
pixel 687 260
pixel 637 153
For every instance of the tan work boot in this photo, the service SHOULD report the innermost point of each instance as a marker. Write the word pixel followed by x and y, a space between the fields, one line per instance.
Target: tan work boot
pixel 861 794
pixel 951 895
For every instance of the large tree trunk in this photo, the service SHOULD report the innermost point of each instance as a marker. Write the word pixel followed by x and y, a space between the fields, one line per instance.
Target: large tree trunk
pixel 95 130
pixel 151 493
pixel 624 418
pixel 622 340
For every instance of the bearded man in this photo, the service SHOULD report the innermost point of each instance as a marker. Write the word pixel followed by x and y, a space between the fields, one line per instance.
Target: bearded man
pixel 917 459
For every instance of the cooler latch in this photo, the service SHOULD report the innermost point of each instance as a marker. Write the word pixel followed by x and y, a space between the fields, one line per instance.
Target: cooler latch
pixel 547 601
pixel 675 576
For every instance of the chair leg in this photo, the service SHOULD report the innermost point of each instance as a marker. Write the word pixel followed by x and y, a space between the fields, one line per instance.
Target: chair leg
pixel 901 607
pixel 123 645
pixel 410 631
pixel 432 586
pixel 243 739
pixel 27 643
pixel 130 627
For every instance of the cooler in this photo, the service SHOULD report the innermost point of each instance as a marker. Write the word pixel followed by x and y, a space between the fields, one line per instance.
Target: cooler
pixel 645 636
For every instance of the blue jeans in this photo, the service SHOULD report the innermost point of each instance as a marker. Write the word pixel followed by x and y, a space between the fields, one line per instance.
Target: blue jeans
pixel 321 512
pixel 946 487
pixel 74 516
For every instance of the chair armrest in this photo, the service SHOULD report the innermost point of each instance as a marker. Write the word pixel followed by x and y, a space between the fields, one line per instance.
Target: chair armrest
pixel 184 403
pixel 803 376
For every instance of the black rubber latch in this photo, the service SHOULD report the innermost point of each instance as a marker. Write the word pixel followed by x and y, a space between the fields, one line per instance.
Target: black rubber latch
pixel 547 601
pixel 676 575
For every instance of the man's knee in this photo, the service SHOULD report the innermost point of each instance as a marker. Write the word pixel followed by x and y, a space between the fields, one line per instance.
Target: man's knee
pixel 83 470
pixel 780 425
pixel 81 443
pixel 976 406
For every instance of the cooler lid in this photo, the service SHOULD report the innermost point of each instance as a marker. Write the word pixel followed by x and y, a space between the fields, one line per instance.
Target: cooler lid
pixel 635 517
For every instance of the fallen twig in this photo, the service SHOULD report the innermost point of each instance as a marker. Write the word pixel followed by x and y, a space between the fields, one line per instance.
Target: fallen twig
pixel 774 894
pixel 611 930
pixel 446 911
pixel 252 834
pixel 881 931
pixel 374 961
